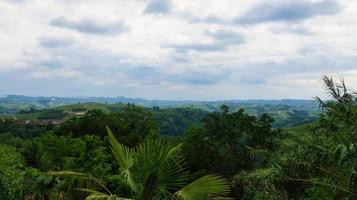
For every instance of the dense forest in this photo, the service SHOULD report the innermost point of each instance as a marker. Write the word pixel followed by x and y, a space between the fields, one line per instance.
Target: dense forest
pixel 133 152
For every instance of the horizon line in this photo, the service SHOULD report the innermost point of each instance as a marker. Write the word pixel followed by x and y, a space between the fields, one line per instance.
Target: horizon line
pixel 149 99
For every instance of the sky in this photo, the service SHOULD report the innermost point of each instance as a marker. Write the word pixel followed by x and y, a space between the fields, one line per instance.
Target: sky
pixel 177 49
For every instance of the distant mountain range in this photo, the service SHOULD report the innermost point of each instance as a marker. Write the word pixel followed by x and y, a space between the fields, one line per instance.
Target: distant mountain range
pixel 45 102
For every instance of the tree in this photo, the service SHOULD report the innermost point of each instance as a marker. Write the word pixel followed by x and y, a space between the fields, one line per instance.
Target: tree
pixel 174 121
pixel 131 125
pixel 321 163
pixel 332 146
pixel 224 141
pixel 11 173
pixel 156 170
pixel 86 154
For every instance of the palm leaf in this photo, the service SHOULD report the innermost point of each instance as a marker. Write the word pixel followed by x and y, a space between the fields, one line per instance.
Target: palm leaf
pixel 124 155
pixel 159 159
pixel 207 187
pixel 104 197
pixel 90 191
pixel 68 174
pixel 80 177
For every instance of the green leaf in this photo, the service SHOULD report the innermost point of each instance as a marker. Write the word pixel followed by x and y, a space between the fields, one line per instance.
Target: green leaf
pixel 80 177
pixel 168 164
pixel 124 155
pixel 104 197
pixel 207 187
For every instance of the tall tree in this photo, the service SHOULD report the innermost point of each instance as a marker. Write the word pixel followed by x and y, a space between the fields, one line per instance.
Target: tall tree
pixel 222 143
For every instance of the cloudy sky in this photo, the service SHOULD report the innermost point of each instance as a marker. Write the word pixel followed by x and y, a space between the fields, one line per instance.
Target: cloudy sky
pixel 176 49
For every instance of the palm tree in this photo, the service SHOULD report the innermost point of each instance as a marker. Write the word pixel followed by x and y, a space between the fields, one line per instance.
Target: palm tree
pixel 156 170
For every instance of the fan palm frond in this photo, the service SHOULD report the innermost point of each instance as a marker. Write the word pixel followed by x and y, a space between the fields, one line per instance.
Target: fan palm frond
pixel 80 177
pixel 104 197
pixel 160 168
pixel 207 187
pixel 124 155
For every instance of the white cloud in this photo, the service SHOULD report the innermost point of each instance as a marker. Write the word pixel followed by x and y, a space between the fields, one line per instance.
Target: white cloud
pixel 115 48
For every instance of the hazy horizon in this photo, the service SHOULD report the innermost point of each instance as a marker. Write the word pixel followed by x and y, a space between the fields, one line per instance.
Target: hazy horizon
pixel 148 99
pixel 177 49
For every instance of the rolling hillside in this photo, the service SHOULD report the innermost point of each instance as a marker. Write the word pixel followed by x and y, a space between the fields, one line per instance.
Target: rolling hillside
pixel 174 120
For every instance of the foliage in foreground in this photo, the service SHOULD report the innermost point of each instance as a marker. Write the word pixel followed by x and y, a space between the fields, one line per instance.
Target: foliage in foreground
pixel 320 163
pixel 156 170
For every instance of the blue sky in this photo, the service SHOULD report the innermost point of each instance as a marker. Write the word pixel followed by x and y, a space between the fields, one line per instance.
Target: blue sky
pixel 176 49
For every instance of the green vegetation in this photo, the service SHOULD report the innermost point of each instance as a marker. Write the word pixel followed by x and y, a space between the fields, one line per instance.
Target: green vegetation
pixel 225 141
pixel 182 153
pixel 11 174
pixel 173 116
pixel 174 121
pixel 154 170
